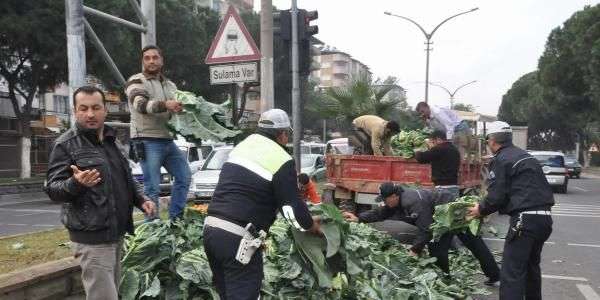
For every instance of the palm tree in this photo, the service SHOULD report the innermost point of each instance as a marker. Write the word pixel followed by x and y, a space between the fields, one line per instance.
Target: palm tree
pixel 360 97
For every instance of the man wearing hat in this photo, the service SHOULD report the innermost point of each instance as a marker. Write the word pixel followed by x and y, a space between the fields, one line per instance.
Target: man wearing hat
pixel 417 205
pixel 257 181
pixel 517 187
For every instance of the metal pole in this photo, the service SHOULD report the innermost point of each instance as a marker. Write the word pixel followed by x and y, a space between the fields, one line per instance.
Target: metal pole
pixel 75 49
pixel 111 18
pixel 324 130
pixel 149 11
pixel 296 88
pixel 267 91
pixel 107 59
pixel 138 12
pixel 428 49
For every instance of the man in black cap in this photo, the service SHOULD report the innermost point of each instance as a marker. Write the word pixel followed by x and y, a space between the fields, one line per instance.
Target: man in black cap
pixel 417 205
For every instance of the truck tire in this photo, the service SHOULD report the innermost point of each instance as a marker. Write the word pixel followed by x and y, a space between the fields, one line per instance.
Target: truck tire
pixel 562 189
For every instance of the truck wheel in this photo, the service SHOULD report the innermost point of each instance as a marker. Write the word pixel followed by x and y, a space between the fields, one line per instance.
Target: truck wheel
pixel 562 189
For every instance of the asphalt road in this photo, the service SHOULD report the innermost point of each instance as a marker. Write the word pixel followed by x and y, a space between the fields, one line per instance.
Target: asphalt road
pixel 570 259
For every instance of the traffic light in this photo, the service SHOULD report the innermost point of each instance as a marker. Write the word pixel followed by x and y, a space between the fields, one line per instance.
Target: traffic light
pixel 282 25
pixel 305 35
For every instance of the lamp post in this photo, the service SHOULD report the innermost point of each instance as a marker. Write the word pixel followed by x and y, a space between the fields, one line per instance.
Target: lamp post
pixel 451 94
pixel 428 36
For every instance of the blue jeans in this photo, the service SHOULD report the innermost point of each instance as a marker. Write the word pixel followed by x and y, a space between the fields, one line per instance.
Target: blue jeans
pixel 165 153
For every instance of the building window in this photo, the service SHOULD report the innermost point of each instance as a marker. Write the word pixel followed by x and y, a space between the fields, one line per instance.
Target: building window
pixel 61 104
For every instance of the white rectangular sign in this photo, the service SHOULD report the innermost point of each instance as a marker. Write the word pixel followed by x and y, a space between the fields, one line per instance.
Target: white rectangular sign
pixel 224 74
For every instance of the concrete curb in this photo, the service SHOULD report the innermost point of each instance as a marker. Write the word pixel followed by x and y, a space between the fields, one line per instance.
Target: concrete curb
pixel 53 280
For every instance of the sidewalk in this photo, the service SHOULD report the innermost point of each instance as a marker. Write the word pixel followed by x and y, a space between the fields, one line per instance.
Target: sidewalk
pixel 592 172
pixel 20 197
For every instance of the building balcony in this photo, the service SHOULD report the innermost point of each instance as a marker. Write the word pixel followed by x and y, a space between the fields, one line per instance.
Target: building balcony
pixel 340 69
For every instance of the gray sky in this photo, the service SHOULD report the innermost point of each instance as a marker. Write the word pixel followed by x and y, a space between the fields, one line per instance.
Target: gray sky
pixel 494 45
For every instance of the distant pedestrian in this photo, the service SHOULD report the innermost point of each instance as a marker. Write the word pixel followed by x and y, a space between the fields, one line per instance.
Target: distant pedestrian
pixel 92 179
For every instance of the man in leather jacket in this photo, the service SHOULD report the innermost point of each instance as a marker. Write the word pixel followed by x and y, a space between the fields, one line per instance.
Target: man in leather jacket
pixel 92 179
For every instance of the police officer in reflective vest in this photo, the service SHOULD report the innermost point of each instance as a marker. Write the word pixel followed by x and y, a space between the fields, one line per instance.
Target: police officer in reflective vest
pixel 518 187
pixel 258 180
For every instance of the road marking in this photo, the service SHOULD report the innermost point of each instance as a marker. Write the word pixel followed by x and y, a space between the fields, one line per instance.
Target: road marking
pixel 588 292
pixel 586 209
pixel 564 277
pixel 502 240
pixel 45 225
pixel 583 190
pixel 16 224
pixel 30 210
pixel 573 204
pixel 584 245
pixel 21 202
pixel 571 215
pixel 31 214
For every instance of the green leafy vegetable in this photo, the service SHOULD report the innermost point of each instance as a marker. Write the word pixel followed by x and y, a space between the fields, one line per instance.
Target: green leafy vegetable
pixel 406 143
pixel 452 217
pixel 201 120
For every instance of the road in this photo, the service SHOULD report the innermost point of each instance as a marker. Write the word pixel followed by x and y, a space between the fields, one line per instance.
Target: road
pixel 570 259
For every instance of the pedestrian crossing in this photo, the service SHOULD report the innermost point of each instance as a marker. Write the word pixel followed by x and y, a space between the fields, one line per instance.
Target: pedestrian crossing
pixel 576 210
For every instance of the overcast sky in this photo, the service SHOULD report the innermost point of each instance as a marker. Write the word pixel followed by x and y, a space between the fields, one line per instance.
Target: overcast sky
pixel 494 45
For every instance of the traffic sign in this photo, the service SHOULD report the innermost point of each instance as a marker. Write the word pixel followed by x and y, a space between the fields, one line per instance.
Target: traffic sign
pixel 233 73
pixel 233 42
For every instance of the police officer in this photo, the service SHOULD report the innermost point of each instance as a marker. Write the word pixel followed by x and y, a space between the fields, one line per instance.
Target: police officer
pixel 258 180
pixel 416 206
pixel 518 187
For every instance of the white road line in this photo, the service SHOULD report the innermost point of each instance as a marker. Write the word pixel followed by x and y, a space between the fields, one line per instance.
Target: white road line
pixel 502 240
pixel 574 204
pixel 564 277
pixel 21 202
pixel 588 292
pixel 45 225
pixel 31 210
pixel 16 224
pixel 584 245
pixel 582 216
pixel 588 209
pixel 583 190
pixel 31 214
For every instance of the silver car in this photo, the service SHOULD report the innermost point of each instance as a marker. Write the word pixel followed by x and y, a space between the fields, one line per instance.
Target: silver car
pixel 205 181
pixel 553 165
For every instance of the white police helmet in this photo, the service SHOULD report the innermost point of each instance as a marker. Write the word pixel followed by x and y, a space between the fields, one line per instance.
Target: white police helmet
pixel 275 119
pixel 498 127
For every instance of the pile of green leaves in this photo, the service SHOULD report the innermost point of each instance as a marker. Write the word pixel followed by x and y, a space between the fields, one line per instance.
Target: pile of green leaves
pixel 406 143
pixel 350 261
pixel 451 217
pixel 201 120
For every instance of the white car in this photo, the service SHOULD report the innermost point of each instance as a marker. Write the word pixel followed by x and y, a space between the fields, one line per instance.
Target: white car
pixel 553 165
pixel 313 165
pixel 205 180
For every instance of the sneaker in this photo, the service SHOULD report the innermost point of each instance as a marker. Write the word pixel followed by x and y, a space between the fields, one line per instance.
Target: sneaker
pixel 492 282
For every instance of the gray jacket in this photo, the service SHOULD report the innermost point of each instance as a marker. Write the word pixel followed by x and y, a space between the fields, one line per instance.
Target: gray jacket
pixel 147 96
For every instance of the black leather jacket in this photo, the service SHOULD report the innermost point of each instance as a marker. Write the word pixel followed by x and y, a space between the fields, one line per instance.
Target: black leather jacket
pixel 88 213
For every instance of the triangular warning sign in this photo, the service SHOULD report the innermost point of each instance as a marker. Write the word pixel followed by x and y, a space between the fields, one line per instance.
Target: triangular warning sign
pixel 233 42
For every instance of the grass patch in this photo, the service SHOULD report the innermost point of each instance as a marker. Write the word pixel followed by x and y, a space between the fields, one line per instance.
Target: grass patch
pixel 41 247
pixel 36 248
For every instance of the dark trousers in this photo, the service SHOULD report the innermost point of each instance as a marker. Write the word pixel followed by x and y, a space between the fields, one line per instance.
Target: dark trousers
pixel 361 141
pixel 475 244
pixel 521 277
pixel 234 281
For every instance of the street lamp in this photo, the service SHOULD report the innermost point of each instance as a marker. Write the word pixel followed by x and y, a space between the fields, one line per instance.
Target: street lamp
pixel 451 94
pixel 428 42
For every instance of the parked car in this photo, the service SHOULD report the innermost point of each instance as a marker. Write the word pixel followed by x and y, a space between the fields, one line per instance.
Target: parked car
pixel 205 181
pixel 553 165
pixel 165 178
pixel 338 146
pixel 573 167
pixel 313 165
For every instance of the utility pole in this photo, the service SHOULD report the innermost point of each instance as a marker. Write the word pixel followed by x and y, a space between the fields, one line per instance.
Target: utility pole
pixel 296 107
pixel 267 91
pixel 149 11
pixel 428 42
pixel 75 49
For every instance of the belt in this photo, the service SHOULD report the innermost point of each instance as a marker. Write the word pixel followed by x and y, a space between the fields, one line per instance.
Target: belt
pixel 536 212
pixel 230 227
pixel 446 186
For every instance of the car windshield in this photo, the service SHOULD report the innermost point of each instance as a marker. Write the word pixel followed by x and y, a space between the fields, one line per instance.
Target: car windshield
pixel 216 159
pixel 307 162
pixel 550 160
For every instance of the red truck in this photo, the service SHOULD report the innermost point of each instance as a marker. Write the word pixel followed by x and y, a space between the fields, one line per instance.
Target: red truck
pixel 356 178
